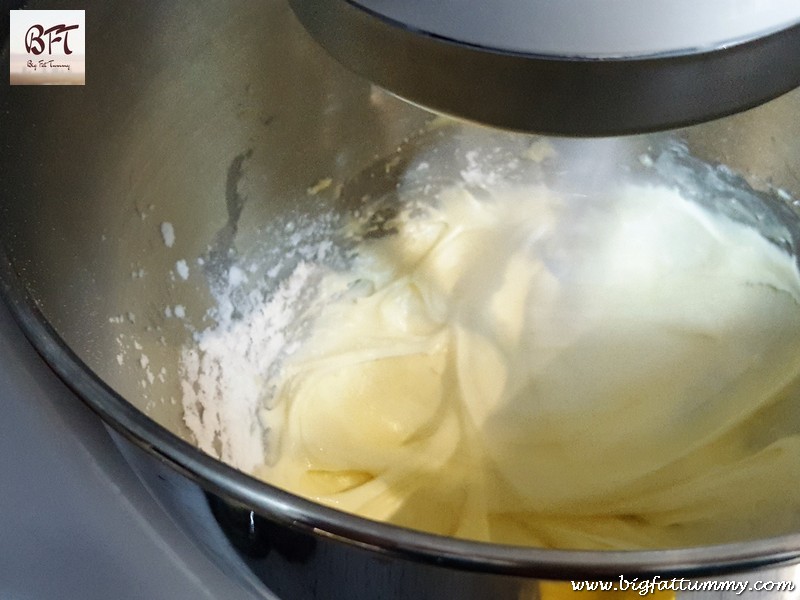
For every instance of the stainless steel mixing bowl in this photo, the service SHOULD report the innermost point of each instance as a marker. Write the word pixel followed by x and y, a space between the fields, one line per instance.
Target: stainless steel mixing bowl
pixel 217 118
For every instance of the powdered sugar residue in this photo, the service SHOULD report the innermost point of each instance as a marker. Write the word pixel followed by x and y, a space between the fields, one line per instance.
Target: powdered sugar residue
pixel 264 303
pixel 224 377
pixel 168 234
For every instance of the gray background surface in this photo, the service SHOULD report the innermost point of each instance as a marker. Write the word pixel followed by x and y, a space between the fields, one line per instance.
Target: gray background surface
pixel 75 523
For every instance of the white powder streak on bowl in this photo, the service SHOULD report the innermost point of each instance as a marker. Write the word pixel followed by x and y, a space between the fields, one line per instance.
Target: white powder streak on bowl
pixel 183 269
pixel 236 276
pixel 224 377
pixel 168 234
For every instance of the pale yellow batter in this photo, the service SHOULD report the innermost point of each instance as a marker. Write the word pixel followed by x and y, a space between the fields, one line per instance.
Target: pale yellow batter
pixel 576 373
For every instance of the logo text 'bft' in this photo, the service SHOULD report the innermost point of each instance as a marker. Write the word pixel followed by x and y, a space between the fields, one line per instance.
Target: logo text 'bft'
pixel 35 42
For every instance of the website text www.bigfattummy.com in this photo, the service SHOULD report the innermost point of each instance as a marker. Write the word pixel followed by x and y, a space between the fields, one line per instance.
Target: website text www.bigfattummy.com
pixel 656 584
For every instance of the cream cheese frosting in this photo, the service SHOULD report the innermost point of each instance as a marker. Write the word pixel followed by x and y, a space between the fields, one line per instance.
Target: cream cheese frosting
pixel 533 368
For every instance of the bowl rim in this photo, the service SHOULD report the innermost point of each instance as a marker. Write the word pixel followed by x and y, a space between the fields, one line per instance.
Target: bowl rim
pixel 290 510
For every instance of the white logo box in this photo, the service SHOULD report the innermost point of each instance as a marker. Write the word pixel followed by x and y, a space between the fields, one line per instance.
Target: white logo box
pixel 47 47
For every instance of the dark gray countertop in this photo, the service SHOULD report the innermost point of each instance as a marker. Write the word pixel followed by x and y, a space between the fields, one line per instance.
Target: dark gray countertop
pixel 75 522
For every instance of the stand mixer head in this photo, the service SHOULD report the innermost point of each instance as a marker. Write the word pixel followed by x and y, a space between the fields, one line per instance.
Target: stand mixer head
pixel 569 67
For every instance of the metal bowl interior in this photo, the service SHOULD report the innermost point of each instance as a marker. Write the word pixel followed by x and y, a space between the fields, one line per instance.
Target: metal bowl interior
pixel 217 121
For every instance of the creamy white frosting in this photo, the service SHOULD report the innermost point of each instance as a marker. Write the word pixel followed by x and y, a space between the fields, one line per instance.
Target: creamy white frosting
pixel 542 369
